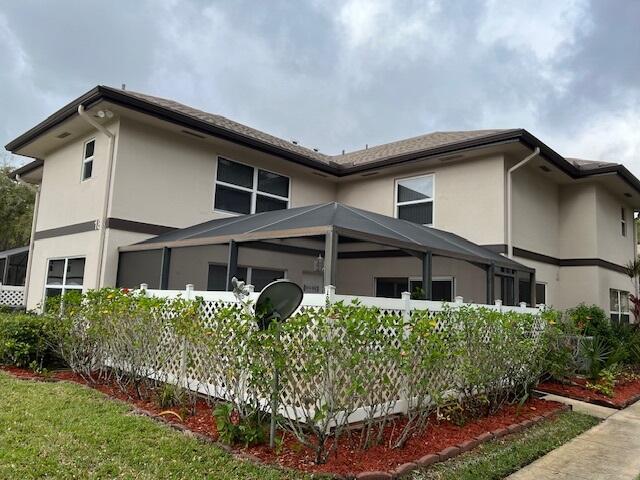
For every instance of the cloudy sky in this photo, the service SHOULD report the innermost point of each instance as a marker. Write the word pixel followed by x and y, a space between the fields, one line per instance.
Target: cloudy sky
pixel 340 74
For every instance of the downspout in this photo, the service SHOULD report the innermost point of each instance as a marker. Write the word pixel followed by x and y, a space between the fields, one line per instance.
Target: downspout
pixel 36 208
pixel 523 162
pixel 107 190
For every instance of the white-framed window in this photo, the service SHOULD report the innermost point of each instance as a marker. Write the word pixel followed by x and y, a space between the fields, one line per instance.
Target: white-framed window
pixel 258 277
pixel 623 222
pixel 64 274
pixel 245 189
pixel 442 288
pixel 414 199
pixel 524 290
pixel 619 306
pixel 87 159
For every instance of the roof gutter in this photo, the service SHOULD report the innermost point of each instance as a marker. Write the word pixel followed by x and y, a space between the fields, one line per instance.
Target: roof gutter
pixel 102 222
pixel 509 212
pixel 332 168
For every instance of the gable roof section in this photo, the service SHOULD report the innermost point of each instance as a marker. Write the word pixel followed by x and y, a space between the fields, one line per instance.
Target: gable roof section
pixel 318 219
pixel 432 144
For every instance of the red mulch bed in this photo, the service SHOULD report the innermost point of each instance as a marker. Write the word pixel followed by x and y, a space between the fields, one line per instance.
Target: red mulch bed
pixel 625 393
pixel 348 459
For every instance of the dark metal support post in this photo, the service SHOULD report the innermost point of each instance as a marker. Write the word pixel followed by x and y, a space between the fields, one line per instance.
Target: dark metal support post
pixel 232 264
pixel 516 288
pixel 427 275
pixel 532 286
pixel 330 257
pixel 164 268
pixel 491 284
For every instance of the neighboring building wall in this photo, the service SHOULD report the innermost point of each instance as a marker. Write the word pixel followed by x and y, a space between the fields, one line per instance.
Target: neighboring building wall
pixel 469 196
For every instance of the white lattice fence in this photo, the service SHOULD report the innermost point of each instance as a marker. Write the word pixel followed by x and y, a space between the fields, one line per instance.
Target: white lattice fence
pixel 11 296
pixel 220 371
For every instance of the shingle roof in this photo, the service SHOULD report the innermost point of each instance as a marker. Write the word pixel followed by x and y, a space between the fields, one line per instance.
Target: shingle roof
pixel 358 157
pixel 410 145
pixel 224 122
pixel 583 164
pixel 437 143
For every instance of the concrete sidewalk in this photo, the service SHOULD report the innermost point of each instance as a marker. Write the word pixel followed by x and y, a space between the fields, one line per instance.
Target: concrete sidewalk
pixel 609 451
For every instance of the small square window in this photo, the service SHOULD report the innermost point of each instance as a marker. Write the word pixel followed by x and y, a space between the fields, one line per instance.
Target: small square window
pixel 235 173
pixel 414 199
pixel 273 183
pixel 89 148
pixel 87 159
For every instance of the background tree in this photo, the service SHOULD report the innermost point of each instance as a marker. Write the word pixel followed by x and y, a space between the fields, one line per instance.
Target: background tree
pixel 16 211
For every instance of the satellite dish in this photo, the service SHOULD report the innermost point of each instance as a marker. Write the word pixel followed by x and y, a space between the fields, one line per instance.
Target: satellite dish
pixel 277 302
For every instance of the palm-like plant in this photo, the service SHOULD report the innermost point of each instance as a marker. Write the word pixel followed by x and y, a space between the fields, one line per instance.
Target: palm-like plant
pixel 633 270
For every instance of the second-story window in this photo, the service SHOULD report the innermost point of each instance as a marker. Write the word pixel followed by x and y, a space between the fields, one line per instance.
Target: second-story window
pixel 244 189
pixel 414 199
pixel 87 159
pixel 623 222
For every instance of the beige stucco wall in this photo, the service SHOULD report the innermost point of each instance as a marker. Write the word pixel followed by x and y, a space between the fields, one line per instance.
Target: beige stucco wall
pixel 611 244
pixel 78 245
pixel 65 199
pixel 578 229
pixel 536 212
pixel 168 178
pixel 469 196
pixel 589 285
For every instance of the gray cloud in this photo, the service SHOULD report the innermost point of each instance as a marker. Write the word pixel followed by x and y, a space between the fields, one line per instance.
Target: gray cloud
pixel 339 74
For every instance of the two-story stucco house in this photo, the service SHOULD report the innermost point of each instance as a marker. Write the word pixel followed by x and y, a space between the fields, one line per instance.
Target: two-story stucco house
pixel 135 188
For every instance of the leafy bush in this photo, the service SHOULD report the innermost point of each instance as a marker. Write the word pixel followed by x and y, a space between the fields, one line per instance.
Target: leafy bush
pixel 335 364
pixel 24 340
pixel 590 321
pixel 234 429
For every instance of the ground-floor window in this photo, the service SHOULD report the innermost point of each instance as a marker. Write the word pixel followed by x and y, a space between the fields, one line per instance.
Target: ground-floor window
pixel 258 277
pixel 619 306
pixel 442 289
pixel 64 275
pixel 525 294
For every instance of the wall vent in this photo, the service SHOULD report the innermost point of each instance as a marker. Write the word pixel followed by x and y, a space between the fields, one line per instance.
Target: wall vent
pixel 63 135
pixel 369 174
pixel 544 168
pixel 193 134
pixel 451 157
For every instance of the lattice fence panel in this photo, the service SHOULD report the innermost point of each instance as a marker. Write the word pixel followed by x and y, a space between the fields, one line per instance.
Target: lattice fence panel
pixel 218 366
pixel 12 297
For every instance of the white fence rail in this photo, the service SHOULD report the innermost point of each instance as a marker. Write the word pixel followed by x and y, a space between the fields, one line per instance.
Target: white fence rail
pixel 11 296
pixel 187 364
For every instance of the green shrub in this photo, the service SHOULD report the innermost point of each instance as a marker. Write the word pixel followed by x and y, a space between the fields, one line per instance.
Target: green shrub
pixel 24 340
pixel 590 321
pixel 234 429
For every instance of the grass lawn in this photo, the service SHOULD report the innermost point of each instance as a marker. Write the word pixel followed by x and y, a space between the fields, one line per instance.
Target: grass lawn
pixel 497 459
pixel 62 430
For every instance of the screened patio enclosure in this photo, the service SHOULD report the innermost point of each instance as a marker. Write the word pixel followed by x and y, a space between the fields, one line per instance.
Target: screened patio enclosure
pixel 359 252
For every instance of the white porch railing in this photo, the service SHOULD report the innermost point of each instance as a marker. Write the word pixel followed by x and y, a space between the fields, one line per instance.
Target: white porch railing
pixel 11 296
pixel 398 305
